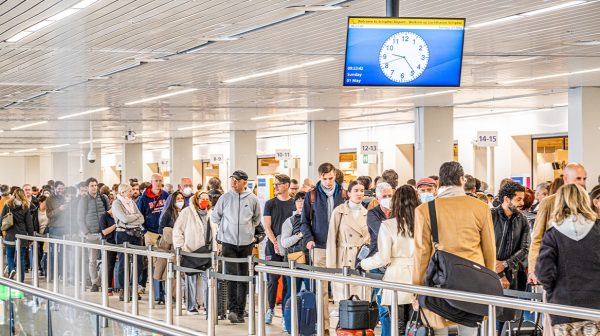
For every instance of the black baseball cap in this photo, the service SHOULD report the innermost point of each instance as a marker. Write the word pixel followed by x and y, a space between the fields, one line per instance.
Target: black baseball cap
pixel 239 175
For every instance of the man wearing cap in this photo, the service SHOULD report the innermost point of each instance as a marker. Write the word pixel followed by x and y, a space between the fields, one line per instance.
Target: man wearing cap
pixel 237 215
pixel 426 189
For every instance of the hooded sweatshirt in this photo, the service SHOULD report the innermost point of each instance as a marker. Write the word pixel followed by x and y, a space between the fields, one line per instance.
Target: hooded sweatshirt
pixel 150 206
pixel 237 216
pixel 569 264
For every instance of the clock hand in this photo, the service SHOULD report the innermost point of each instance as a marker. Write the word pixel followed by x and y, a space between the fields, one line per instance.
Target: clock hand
pixel 410 66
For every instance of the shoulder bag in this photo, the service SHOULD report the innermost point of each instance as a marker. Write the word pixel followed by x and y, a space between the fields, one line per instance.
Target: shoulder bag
pixel 200 263
pixel 7 220
pixel 449 271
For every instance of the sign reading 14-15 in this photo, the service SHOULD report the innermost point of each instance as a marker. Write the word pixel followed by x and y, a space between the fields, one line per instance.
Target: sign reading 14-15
pixel 487 139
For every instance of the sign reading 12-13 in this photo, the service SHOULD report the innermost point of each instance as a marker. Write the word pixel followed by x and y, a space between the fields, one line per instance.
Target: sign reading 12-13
pixel 404 51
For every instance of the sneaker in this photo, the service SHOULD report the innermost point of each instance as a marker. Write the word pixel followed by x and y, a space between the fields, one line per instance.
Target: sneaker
pixel 94 288
pixel 269 316
pixel 141 290
pixel 233 318
pixel 193 312
pixel 13 275
pixel 283 326
pixel 241 320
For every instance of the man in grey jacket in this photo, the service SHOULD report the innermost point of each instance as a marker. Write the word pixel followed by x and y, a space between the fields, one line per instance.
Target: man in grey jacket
pixel 89 210
pixel 237 215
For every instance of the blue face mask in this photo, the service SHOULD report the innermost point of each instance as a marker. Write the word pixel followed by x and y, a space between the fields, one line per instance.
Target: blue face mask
pixel 426 197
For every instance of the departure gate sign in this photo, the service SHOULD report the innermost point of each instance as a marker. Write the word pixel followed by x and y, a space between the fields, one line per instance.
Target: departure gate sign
pixel 385 51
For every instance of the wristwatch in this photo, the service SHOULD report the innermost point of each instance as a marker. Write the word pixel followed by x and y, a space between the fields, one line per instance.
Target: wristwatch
pixel 505 264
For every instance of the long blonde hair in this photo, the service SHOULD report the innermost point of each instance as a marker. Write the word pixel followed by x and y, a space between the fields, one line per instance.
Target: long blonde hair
pixel 571 200
pixel 19 194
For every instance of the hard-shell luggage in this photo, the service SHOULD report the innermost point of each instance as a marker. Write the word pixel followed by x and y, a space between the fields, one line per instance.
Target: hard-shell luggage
pixel 354 314
pixel 350 332
pixel 307 313
pixel 519 326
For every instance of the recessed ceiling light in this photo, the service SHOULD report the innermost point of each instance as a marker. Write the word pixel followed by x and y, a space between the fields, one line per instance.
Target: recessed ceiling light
pixel 584 43
pixel 83 113
pixel 88 141
pixel 315 8
pixel 56 146
pixel 166 95
pixel 28 125
pixel 203 126
pixel 549 76
pixel 528 14
pixel 271 72
pixel 222 38
pixel 379 101
pixel 26 150
pixel 99 77
pixel 286 114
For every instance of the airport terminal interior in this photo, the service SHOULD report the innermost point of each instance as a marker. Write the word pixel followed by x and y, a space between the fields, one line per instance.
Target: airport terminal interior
pixel 184 93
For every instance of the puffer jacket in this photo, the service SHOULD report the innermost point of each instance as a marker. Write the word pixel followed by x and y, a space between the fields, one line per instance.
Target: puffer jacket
pixel 89 211
pixel 22 221
pixel 237 216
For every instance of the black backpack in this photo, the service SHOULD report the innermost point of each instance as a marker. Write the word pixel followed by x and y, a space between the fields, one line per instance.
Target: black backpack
pixel 449 271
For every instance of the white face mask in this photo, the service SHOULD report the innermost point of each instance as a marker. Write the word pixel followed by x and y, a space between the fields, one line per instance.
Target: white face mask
pixel 426 197
pixel 187 191
pixel 179 205
pixel 386 203
pixel 18 203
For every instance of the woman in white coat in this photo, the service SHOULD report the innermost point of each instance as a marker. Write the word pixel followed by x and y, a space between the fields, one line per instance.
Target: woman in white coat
pixel 190 234
pixel 348 231
pixel 396 247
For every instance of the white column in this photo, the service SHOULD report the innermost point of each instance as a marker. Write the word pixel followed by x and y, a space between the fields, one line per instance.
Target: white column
pixel 323 145
pixel 242 153
pixel 60 166
pixel 434 139
pixel 32 170
pixel 584 130
pixel 132 162
pixel 92 169
pixel 181 159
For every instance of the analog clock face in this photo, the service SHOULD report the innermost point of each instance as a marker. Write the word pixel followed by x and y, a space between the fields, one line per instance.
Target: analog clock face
pixel 403 57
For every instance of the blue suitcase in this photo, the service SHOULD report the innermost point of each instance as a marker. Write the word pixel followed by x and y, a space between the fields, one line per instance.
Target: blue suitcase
pixel 307 313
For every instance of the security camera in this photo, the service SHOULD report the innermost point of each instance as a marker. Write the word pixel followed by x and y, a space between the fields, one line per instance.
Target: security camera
pixel 130 136
pixel 91 157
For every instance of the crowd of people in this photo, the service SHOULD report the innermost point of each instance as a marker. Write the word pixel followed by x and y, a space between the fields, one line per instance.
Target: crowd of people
pixel 523 235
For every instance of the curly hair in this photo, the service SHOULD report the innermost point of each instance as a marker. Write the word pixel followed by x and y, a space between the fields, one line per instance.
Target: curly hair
pixel 509 190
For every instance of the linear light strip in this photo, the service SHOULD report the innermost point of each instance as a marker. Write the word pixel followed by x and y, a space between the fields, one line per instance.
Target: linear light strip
pixel 56 146
pixel 272 72
pixel 26 150
pixel 167 95
pixel 529 14
pixel 57 17
pixel 83 113
pixel 285 114
pixel 403 98
pixel 28 125
pixel 203 126
pixel 149 133
pixel 549 76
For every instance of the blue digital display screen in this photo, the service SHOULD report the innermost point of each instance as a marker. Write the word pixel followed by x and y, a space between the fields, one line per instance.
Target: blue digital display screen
pixel 386 51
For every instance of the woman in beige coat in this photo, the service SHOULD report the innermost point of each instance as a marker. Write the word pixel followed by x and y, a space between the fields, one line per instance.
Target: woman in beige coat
pixel 348 231
pixel 396 248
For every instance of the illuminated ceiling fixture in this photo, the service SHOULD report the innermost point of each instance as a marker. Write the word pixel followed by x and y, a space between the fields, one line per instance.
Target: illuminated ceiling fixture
pixel 57 17
pixel 166 95
pixel 28 125
pixel 403 98
pixel 286 114
pixel 528 14
pixel 26 150
pixel 284 100
pixel 83 113
pixel 88 141
pixel 56 146
pixel 149 133
pixel 272 72
pixel 316 8
pixel 549 76
pixel 203 126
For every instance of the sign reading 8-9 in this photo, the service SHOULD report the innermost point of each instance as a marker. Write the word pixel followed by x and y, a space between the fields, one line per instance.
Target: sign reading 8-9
pixel 404 57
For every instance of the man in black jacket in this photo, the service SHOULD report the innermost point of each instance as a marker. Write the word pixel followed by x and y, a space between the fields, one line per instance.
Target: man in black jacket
pixel 512 235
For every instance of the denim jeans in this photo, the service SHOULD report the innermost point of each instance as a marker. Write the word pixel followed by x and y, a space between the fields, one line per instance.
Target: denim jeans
pixel 11 255
pixel 55 232
pixel 384 311
pixel 120 238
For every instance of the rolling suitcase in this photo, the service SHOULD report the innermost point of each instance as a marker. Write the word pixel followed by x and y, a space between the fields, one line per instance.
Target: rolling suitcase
pixel 519 326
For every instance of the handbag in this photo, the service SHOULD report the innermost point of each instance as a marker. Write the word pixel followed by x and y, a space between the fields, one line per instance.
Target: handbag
pixel 7 220
pixel 373 311
pixel 299 257
pixel 201 264
pixel 449 271
pixel 416 327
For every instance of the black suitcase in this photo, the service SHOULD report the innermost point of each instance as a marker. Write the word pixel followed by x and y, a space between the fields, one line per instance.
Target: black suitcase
pixel 354 314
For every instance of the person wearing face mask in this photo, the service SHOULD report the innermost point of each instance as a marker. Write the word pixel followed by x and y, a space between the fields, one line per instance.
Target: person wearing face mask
pixel 190 233
pixel 511 230
pixel 348 231
pixel 395 244
pixel 375 216
pixel 185 188
pixel 22 224
pixel 426 189
pixel 167 222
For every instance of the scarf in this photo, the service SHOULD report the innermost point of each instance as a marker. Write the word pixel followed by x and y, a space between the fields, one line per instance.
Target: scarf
pixel 450 191
pixel 330 199
pixel 128 204
pixel 203 220
pixel 354 209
